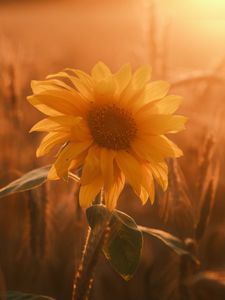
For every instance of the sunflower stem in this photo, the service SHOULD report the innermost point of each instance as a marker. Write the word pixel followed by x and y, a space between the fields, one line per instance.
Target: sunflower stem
pixel 83 278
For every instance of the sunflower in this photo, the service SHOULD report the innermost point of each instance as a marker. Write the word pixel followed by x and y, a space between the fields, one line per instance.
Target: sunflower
pixel 112 126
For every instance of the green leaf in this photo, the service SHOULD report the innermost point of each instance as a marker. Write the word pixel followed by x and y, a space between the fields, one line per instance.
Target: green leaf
pixel 123 243
pixel 13 295
pixel 169 240
pixel 28 181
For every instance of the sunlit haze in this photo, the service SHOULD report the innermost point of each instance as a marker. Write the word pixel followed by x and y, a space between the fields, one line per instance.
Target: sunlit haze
pixel 131 97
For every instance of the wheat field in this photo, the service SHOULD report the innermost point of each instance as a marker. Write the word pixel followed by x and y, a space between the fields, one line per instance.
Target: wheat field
pixel 42 231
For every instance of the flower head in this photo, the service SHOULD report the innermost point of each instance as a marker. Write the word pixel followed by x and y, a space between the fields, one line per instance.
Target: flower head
pixel 111 125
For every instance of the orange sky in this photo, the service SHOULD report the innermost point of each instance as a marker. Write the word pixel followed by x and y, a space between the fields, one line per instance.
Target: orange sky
pixel 196 9
pixel 198 29
pixel 120 32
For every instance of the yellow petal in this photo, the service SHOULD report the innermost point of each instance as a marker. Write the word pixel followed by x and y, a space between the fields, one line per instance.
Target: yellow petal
pixel 143 195
pixel 112 193
pixel 171 149
pixel 45 85
pixel 156 90
pixel 58 123
pixel 59 75
pixel 80 132
pixel 148 182
pixel 82 85
pixel 86 78
pixel 104 90
pixel 49 141
pixel 53 175
pixel 91 167
pixel 144 151
pixel 65 157
pixel 160 124
pixel 63 75
pixel 100 71
pixel 160 173
pixel 65 102
pixel 74 165
pixel 148 96
pixel 123 77
pixel 131 169
pixel 89 192
pixel 132 95
pixel 167 105
pixel 155 148
pixel 42 107
pixel 53 102
pixel 78 162
pixel 83 88
pixel 141 77
pixel 107 160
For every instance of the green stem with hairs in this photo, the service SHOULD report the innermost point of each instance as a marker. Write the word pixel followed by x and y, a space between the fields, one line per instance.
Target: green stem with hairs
pixel 83 279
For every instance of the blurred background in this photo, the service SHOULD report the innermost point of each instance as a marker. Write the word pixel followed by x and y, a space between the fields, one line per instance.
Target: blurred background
pixel 42 233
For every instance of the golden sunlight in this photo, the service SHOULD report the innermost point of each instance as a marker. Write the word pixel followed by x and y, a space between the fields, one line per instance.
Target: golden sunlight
pixel 200 9
pixel 208 8
pixel 71 225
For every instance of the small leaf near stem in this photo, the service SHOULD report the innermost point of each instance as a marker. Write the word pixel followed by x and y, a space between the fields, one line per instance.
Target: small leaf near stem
pixel 123 243
pixel 30 181
pixel 174 243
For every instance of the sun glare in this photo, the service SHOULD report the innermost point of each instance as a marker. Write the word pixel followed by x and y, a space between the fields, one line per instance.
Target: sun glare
pixel 209 8
pixel 199 9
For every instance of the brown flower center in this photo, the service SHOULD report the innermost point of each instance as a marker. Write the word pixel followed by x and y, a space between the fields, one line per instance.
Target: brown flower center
pixel 111 127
